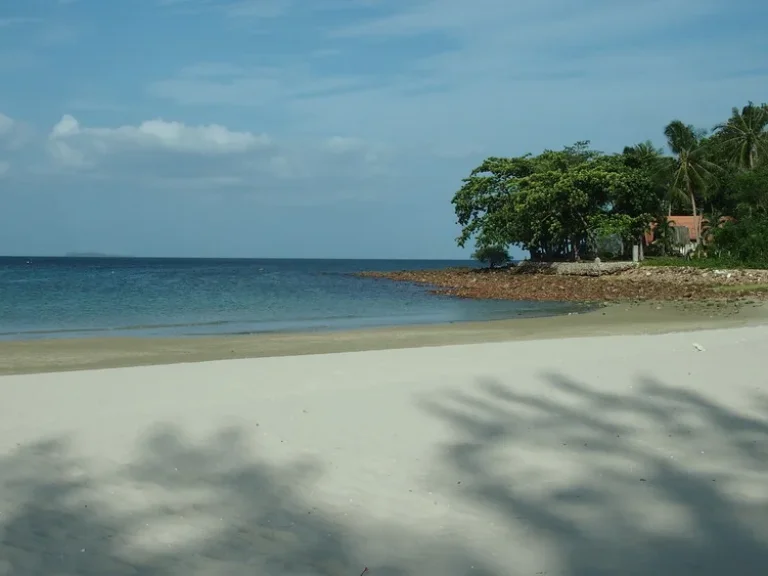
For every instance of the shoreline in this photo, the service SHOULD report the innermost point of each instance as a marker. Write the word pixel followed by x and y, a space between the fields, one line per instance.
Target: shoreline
pixel 357 324
pixel 63 355
pixel 587 282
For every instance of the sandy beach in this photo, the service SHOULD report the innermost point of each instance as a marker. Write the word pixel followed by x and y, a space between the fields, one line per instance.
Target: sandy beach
pixel 23 357
pixel 633 454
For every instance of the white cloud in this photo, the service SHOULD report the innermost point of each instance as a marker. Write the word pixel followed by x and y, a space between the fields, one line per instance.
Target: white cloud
pixel 56 34
pixel 6 125
pixel 258 8
pixel 68 156
pixel 14 135
pixel 17 21
pixel 501 43
pixel 169 154
pixel 234 9
pixel 67 126
pixel 15 138
pixel 503 77
pixel 441 84
pixel 75 145
pixel 344 144
pixel 262 9
pixel 224 83
pixel 94 105
pixel 538 21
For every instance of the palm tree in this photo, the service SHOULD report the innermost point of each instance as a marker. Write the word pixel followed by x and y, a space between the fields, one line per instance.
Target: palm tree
pixel 692 172
pixel 744 137
pixel 647 157
pixel 644 153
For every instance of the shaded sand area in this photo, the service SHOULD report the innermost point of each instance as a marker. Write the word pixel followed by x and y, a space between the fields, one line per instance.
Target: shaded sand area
pixel 620 318
pixel 639 454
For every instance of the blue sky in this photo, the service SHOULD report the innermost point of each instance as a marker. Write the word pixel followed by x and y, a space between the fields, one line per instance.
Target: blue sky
pixel 330 128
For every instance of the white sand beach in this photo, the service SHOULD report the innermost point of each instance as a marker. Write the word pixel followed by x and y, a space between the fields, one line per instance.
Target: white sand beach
pixel 636 454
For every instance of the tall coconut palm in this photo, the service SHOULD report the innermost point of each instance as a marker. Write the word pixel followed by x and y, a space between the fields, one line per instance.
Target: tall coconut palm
pixel 644 153
pixel 652 160
pixel 692 172
pixel 744 137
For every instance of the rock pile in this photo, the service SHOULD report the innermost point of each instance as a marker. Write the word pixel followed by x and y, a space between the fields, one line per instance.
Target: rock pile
pixel 582 283
pixel 699 275
pixel 595 268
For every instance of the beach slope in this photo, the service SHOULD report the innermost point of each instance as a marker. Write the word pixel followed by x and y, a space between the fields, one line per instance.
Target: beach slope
pixel 57 355
pixel 635 454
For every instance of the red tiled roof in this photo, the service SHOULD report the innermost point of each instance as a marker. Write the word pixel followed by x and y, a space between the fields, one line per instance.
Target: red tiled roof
pixel 690 222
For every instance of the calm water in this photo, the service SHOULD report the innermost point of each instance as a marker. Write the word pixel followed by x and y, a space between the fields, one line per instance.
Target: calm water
pixel 78 297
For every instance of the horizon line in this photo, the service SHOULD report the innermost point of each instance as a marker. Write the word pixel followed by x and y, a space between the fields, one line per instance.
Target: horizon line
pixel 132 257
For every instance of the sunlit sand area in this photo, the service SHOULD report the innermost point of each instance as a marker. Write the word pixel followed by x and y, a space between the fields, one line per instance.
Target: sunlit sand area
pixel 633 454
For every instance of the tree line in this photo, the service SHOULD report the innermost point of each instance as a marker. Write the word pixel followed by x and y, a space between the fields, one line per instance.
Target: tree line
pixel 559 204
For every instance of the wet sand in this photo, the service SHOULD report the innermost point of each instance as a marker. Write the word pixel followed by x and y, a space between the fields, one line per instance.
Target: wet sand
pixel 23 357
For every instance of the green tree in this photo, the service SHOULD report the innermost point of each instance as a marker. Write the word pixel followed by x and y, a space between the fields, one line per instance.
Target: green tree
pixel 692 171
pixel 750 191
pixel 560 207
pixel 558 204
pixel 547 203
pixel 658 167
pixel 644 156
pixel 484 195
pixel 744 241
pixel 491 255
pixel 743 138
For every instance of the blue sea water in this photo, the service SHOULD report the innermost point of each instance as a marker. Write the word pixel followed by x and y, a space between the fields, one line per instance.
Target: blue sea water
pixel 81 297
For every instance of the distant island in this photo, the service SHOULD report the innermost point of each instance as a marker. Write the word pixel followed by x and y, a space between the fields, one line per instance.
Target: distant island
pixel 92 255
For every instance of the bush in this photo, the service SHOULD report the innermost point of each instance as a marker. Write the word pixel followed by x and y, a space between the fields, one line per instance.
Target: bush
pixel 491 255
pixel 609 247
pixel 709 263
pixel 738 244
pixel 744 241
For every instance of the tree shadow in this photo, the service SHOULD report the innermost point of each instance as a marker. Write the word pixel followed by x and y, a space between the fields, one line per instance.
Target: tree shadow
pixel 183 508
pixel 576 480
pixel 649 480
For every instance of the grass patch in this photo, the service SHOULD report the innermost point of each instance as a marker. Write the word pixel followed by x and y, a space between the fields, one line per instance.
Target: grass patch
pixel 703 263
pixel 727 288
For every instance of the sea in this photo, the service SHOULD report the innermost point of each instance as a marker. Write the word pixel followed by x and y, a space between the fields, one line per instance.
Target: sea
pixel 77 297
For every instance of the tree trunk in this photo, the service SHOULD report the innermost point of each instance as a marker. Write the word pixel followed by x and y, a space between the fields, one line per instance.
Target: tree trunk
pixel 693 208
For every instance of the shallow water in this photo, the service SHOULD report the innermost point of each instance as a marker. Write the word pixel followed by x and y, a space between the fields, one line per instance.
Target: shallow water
pixel 94 297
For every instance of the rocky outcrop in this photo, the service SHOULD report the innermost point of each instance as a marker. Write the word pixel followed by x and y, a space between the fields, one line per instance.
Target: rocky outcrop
pixel 595 268
pixel 589 282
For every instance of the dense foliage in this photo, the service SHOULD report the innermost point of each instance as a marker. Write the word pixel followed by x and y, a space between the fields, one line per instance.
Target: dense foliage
pixel 491 255
pixel 578 202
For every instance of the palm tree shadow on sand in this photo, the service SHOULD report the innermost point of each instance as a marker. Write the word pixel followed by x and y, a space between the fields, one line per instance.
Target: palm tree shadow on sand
pixel 184 508
pixel 570 466
pixel 655 481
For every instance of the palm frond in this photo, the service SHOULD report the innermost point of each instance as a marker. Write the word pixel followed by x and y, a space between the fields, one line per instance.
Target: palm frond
pixel 744 136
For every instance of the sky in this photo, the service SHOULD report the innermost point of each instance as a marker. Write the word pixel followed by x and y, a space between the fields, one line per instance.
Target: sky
pixel 329 128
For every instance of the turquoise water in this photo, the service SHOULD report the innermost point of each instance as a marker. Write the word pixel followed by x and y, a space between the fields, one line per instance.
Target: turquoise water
pixel 81 297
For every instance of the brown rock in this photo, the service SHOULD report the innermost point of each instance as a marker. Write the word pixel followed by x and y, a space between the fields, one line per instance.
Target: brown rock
pixel 579 283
